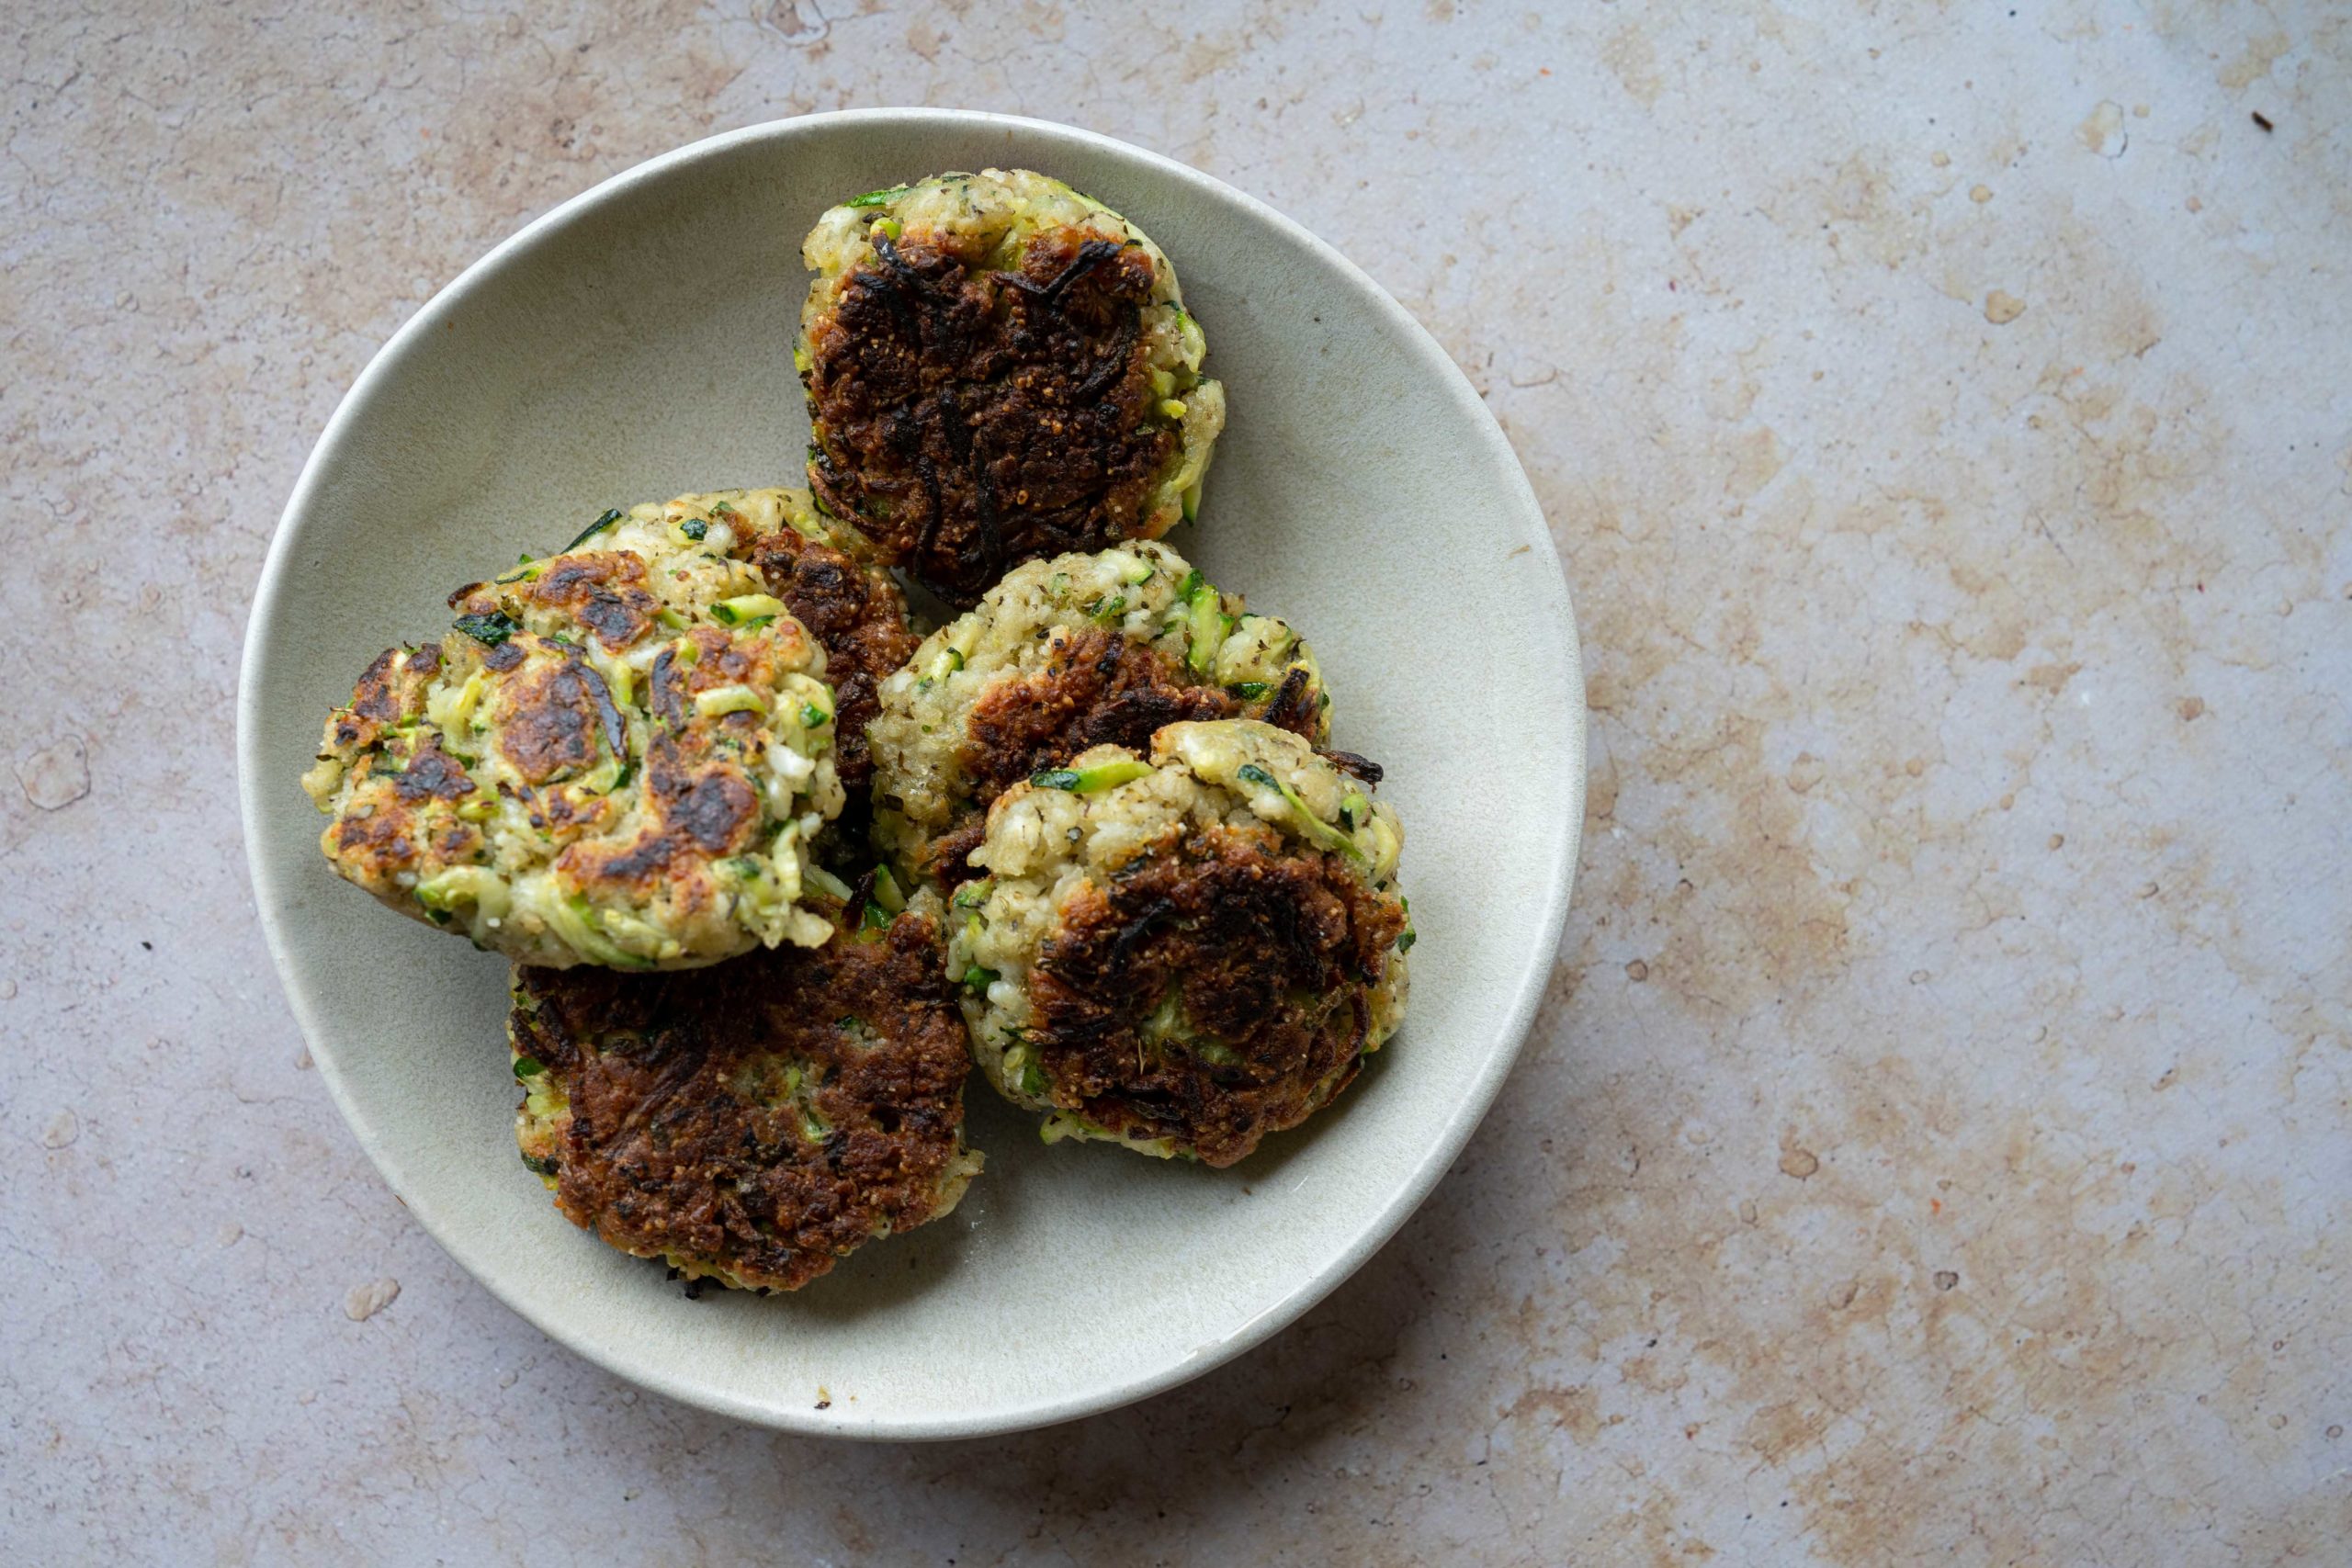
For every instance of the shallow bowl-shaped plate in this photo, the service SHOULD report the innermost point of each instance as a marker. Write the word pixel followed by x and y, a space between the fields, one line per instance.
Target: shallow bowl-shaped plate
pixel 635 344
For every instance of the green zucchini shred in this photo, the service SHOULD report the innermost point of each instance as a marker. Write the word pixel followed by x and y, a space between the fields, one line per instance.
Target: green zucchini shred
pixel 612 514
pixel 1317 832
pixel 489 629
pixel 1094 780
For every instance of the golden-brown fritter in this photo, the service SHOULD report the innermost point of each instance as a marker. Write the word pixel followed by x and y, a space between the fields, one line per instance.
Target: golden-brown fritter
pixel 853 607
pixel 998 369
pixel 616 756
pixel 1187 953
pixel 754 1122
pixel 1214 994
pixel 1067 654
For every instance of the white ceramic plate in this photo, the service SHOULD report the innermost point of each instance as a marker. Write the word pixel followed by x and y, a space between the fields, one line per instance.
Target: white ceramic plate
pixel 635 344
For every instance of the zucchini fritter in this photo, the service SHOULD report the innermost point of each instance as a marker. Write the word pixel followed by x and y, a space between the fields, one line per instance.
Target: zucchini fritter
pixel 1185 953
pixel 1082 651
pixel 617 757
pixel 999 368
pixel 754 1122
pixel 828 577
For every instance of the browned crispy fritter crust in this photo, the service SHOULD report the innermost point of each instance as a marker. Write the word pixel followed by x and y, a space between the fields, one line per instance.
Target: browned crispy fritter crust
pixel 680 1141
pixel 944 859
pixel 860 616
pixel 603 590
pixel 404 827
pixel 388 691
pixel 1098 689
pixel 1267 950
pixel 549 719
pixel 967 421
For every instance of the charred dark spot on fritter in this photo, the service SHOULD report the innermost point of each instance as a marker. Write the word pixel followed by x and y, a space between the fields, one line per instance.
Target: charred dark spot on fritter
pixel 1213 996
pixel 636 866
pixel 1364 768
pixel 718 659
pixel 432 774
pixel 765 1115
pixel 550 721
pixel 1295 706
pixel 603 590
pixel 1097 688
pixel 859 616
pixel 712 810
pixel 701 810
pixel 668 687
pixel 970 421
pixel 379 842
pixel 378 696
pixel 946 859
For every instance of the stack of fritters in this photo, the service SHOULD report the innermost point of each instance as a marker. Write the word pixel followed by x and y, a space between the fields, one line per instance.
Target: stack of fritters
pixel 773 870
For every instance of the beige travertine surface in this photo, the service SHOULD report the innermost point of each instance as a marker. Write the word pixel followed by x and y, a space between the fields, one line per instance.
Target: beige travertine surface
pixel 1936 1139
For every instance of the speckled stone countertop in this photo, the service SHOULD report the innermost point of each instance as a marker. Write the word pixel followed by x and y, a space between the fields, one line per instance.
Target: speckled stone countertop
pixel 1936 1140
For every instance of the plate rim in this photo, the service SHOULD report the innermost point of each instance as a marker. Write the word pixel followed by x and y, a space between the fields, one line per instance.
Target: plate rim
pixel 1436 1157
